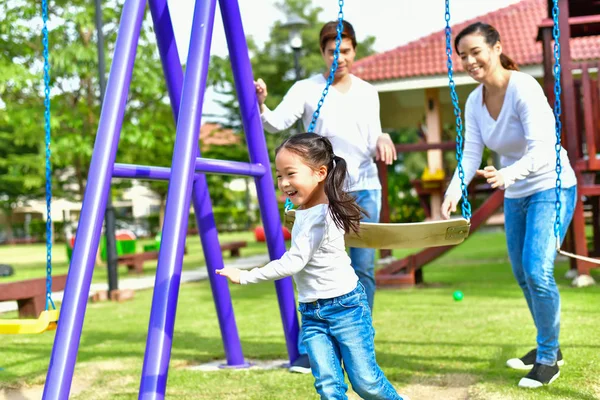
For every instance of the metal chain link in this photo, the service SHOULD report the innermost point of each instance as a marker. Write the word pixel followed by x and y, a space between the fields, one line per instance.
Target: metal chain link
pixel 557 113
pixel 334 65
pixel 466 205
pixel 49 301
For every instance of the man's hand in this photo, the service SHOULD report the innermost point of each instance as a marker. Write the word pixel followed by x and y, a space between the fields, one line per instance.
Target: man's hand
pixel 386 151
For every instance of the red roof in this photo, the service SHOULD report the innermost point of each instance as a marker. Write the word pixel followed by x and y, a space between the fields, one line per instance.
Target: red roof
pixel 518 27
pixel 215 135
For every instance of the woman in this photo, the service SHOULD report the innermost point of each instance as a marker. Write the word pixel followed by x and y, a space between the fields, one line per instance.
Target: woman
pixel 509 114
pixel 349 118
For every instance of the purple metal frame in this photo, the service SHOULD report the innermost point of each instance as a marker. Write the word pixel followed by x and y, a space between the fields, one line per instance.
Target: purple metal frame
pixel 257 148
pixel 205 165
pixel 68 333
pixel 186 184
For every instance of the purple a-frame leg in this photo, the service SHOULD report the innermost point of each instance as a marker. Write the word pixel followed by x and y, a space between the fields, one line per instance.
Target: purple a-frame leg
pixel 68 333
pixel 155 368
pixel 182 175
pixel 168 273
pixel 201 198
pixel 257 148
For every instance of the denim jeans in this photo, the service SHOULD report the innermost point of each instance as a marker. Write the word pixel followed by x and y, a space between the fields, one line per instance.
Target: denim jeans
pixel 531 243
pixel 341 330
pixel 363 260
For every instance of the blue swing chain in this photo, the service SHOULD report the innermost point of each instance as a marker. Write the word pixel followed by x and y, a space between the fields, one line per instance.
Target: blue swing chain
pixel 334 65
pixel 336 54
pixel 466 205
pixel 557 113
pixel 49 301
pixel 288 205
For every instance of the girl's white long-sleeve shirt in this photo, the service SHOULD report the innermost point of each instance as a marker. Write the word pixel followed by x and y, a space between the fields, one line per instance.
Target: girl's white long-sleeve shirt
pixel 317 258
pixel 349 120
pixel 523 135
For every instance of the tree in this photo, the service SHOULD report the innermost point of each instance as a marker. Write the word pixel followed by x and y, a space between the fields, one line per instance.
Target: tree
pixel 75 89
pixel 21 176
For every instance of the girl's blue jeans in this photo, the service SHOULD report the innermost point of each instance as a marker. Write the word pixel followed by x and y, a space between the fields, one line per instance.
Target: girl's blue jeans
pixel 338 334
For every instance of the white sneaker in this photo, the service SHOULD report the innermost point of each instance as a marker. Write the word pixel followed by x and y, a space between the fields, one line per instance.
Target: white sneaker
pixel 539 376
pixel 301 365
pixel 527 362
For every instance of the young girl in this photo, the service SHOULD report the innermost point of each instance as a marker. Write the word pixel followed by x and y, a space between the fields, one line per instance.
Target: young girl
pixel 336 319
pixel 509 113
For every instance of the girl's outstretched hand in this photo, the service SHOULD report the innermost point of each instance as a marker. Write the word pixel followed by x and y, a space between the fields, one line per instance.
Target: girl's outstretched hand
pixel 233 274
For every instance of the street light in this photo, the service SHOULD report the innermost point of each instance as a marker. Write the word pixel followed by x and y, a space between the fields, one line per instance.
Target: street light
pixel 294 26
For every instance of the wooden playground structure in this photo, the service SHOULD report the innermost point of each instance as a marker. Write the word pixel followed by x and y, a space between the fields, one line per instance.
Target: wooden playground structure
pixel 580 137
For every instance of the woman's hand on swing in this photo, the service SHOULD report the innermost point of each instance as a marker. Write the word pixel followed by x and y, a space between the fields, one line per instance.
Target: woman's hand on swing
pixel 386 150
pixel 261 91
pixel 493 176
pixel 233 274
pixel 448 207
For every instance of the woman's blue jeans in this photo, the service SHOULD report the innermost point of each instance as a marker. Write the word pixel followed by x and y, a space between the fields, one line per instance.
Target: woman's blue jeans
pixel 531 243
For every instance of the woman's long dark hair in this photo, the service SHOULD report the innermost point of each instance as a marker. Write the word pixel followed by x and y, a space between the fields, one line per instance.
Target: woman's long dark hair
pixel 491 36
pixel 316 151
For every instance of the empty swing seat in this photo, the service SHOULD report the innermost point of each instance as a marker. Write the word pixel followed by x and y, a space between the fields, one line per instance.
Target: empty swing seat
pixel 45 322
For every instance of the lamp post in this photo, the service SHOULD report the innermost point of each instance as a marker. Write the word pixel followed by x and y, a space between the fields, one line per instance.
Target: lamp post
pixel 109 217
pixel 294 26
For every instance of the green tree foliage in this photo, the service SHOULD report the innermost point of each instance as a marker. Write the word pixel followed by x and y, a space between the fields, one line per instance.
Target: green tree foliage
pixel 148 129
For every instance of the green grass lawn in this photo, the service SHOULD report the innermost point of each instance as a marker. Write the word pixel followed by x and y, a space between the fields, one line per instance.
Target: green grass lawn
pixel 29 261
pixel 430 346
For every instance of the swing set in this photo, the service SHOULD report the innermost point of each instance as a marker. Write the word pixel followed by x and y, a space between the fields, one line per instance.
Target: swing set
pixel 403 235
pixel 456 230
pixel 188 184
pixel 48 318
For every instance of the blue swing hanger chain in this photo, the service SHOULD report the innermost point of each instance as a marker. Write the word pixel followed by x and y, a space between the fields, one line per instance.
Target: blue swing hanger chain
pixel 336 54
pixel 49 301
pixel 557 113
pixel 466 205
pixel 334 65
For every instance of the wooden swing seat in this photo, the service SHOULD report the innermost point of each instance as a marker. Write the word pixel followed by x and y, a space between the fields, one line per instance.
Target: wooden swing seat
pixel 403 236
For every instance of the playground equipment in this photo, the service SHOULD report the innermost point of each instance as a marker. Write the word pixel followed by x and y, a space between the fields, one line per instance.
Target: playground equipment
pixel 187 183
pixel 581 116
pixel 581 138
pixel 403 236
pixel 422 234
pixel 48 318
pixel 126 243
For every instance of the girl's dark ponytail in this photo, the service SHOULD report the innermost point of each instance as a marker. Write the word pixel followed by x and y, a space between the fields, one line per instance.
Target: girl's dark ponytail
pixel 317 151
pixel 346 213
